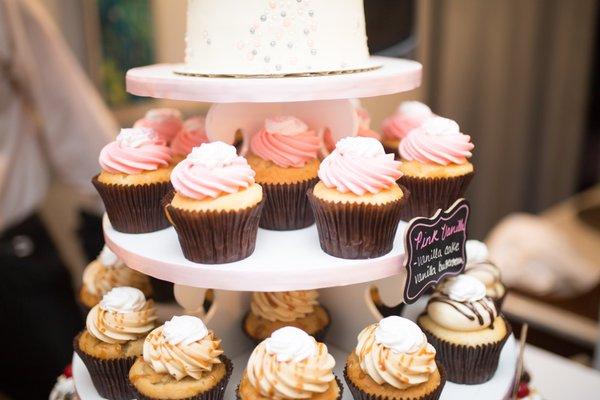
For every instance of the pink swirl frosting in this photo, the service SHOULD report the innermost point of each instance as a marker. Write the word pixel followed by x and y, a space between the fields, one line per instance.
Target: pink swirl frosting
pixel 165 121
pixel 359 165
pixel 211 170
pixel 437 141
pixel 364 124
pixel 286 141
pixel 408 116
pixel 191 135
pixel 134 151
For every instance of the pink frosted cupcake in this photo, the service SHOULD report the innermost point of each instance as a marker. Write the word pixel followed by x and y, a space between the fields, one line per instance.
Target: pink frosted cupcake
pixel 357 202
pixel 435 166
pixel 216 205
pixel 166 122
pixel 134 179
pixel 284 156
pixel 408 116
pixel 191 135
pixel 364 129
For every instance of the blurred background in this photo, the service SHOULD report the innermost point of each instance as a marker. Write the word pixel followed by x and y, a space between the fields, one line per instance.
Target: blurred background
pixel 521 77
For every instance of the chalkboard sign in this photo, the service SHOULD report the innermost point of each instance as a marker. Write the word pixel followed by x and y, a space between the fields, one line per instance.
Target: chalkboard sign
pixel 435 248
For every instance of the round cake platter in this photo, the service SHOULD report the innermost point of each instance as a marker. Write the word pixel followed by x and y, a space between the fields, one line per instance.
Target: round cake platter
pixel 496 388
pixel 160 81
pixel 281 261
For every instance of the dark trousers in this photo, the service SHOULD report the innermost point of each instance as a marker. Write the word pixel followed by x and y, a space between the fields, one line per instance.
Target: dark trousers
pixel 38 313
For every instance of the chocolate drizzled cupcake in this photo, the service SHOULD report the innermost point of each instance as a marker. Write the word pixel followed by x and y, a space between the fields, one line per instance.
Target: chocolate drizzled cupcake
pixel 466 330
pixel 481 267
pixel 270 311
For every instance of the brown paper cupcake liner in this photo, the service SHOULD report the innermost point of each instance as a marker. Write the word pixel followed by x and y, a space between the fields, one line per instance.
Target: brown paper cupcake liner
pixel 467 364
pixel 215 237
pixel 318 335
pixel 216 393
pixel 337 380
pixel 134 208
pixel 359 394
pixel 427 195
pixel 357 231
pixel 110 377
pixel 286 206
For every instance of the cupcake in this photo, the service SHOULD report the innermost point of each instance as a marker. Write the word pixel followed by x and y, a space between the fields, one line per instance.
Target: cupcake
pixel 408 116
pixel 113 339
pixel 166 122
pixel 290 364
pixel 284 156
pixel 182 359
pixel 364 129
pixel 435 166
pixel 216 205
pixel 465 329
pixel 192 134
pixel 270 311
pixel 479 266
pixel 393 361
pixel 107 272
pixel 134 179
pixel 357 202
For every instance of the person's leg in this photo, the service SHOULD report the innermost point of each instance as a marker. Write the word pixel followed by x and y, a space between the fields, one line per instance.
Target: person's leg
pixel 38 312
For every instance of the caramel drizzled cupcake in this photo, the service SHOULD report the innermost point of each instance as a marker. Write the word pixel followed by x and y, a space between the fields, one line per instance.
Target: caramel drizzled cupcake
pixel 270 311
pixel 284 156
pixel 113 338
pixel 181 360
pixel 134 179
pixel 466 330
pixel 393 361
pixel 408 116
pixel 435 167
pixel 107 272
pixel 479 266
pixel 216 205
pixel 290 365
pixel 357 202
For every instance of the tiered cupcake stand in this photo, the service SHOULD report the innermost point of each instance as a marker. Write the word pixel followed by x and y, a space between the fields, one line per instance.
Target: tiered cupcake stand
pixel 282 261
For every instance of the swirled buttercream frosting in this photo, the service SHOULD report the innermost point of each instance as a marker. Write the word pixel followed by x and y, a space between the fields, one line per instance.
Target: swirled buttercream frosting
pixel 134 151
pixel 359 165
pixel 182 347
pixel 166 122
pixel 408 116
pixel 290 365
pixel 286 141
pixel 395 351
pixel 107 272
pixel 123 315
pixel 481 267
pixel 284 306
pixel 212 170
pixel 437 141
pixel 191 135
pixel 460 304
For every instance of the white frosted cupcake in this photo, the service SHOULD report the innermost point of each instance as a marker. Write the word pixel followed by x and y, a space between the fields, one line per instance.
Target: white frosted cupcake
pixel 481 267
pixel 290 365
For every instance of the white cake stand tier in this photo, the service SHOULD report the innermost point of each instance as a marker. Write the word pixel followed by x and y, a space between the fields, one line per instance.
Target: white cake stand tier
pixel 160 81
pixel 291 260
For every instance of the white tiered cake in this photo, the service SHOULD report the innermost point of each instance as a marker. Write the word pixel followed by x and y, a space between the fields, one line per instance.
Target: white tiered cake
pixel 275 37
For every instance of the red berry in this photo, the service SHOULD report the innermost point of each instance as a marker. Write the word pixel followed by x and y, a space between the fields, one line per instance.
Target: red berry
pixel 68 372
pixel 523 390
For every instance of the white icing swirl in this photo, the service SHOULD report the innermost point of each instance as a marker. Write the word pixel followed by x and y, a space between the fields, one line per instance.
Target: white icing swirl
pixel 108 259
pixel 285 125
pixel 463 288
pixel 477 252
pixel 440 126
pixel 399 334
pixel 213 155
pixel 136 137
pixel 360 147
pixel 123 299
pixel 184 329
pixel 291 344
pixel 414 109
